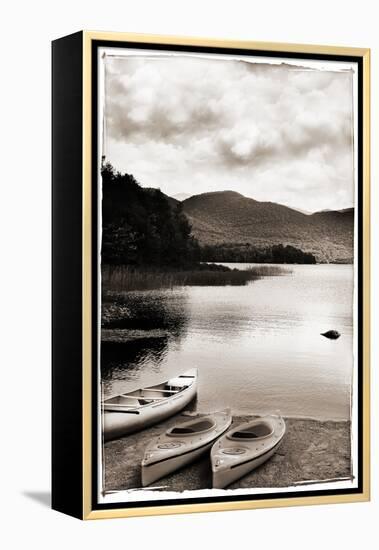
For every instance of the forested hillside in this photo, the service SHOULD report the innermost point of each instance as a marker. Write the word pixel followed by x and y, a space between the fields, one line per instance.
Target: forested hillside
pixel 226 217
pixel 144 227
pixel 141 226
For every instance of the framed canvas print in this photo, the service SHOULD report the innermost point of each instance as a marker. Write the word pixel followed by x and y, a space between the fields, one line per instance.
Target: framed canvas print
pixel 210 275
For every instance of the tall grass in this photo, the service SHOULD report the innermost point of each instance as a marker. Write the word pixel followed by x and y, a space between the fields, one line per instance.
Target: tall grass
pixel 125 278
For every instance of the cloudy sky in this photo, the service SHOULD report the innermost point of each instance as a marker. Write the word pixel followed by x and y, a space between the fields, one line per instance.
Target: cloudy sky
pixel 276 133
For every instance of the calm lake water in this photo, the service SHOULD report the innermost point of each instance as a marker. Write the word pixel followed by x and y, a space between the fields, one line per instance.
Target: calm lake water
pixel 257 347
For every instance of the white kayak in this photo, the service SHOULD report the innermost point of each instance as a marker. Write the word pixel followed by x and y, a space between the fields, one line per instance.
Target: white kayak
pixel 244 448
pixel 182 444
pixel 136 410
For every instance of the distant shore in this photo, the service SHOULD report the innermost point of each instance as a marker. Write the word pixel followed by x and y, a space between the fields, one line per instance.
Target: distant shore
pixel 122 278
pixel 311 450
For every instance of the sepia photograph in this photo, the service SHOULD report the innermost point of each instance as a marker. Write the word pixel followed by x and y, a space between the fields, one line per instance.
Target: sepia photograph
pixel 227 198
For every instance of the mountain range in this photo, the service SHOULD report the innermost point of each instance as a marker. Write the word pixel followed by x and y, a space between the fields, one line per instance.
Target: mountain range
pixel 229 217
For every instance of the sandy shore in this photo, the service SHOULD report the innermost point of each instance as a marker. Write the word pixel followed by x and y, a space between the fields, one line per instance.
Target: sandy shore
pixel 311 450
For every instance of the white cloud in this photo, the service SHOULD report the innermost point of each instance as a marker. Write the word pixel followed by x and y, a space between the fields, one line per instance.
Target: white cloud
pixel 272 132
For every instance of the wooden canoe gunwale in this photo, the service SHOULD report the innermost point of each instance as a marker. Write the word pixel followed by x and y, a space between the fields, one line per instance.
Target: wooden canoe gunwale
pixel 153 400
pixel 146 407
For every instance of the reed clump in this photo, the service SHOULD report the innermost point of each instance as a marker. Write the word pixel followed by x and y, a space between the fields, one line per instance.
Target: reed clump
pixel 122 278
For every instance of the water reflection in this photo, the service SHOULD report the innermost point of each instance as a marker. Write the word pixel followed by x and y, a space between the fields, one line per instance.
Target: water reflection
pixel 257 347
pixel 137 330
pixel 146 310
pixel 131 354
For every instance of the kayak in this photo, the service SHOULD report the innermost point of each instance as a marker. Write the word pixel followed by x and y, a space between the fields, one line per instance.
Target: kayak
pixel 182 444
pixel 244 448
pixel 136 410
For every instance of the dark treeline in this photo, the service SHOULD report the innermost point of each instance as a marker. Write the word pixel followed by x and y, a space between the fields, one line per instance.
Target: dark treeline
pixel 140 226
pixel 276 254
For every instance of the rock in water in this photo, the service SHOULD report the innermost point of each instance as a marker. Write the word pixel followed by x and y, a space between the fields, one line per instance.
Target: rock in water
pixel 332 334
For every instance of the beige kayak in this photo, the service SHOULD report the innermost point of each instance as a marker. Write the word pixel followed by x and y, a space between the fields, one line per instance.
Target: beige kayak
pixel 182 444
pixel 244 448
pixel 130 412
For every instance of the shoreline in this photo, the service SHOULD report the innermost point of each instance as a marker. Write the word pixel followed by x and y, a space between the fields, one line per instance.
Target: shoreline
pixel 119 278
pixel 311 450
pixel 123 278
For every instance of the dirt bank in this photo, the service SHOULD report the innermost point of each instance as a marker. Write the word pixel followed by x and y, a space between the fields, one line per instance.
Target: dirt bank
pixel 311 450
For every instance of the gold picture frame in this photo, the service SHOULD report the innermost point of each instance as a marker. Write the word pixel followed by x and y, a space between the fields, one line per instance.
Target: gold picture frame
pixel 78 50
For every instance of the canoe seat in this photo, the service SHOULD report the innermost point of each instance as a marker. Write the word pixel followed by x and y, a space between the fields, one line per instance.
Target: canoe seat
pixel 145 401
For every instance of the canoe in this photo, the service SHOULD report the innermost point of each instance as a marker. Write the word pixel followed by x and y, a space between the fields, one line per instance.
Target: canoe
pixel 136 410
pixel 244 448
pixel 182 444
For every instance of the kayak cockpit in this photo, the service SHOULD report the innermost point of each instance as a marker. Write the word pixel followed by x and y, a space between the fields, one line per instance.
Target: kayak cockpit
pixel 193 427
pixel 256 430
